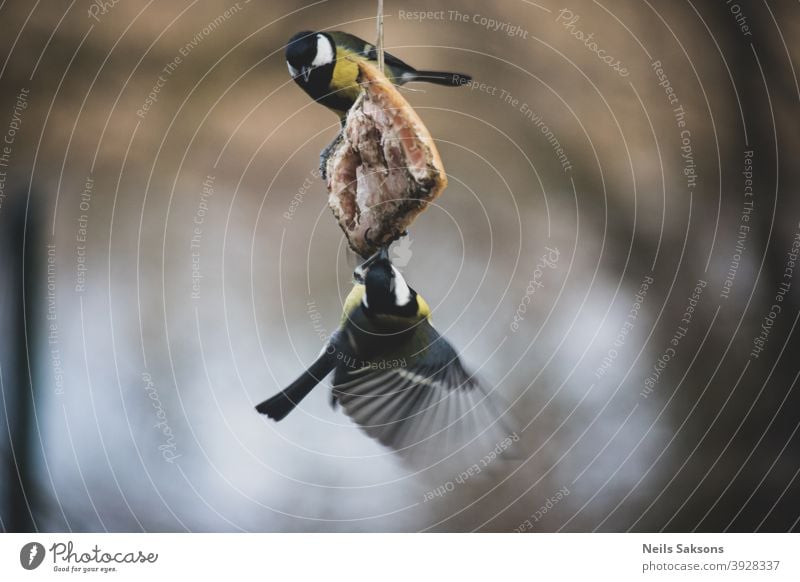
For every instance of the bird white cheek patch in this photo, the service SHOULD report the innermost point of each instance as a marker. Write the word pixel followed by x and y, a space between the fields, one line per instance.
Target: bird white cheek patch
pixel 402 294
pixel 324 54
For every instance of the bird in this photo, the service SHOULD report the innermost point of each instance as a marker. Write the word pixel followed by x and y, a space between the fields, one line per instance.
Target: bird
pixel 400 380
pixel 324 65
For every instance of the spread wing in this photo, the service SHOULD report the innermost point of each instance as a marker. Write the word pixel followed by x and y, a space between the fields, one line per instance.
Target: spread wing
pixel 422 399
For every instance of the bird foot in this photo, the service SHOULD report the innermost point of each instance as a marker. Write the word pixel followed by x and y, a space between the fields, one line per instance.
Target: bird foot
pixel 326 153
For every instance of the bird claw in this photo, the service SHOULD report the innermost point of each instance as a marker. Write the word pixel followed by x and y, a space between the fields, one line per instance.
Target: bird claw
pixel 326 153
pixel 323 163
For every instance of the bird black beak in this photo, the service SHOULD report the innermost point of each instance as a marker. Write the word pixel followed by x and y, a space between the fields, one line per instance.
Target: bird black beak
pixel 306 72
pixel 361 271
pixel 381 255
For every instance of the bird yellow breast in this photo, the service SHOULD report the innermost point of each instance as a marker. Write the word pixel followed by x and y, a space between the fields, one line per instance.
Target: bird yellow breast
pixel 345 74
pixel 356 294
pixel 424 310
pixel 352 301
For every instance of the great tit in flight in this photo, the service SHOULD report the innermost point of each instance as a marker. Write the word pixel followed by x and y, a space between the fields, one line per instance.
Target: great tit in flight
pixel 324 65
pixel 393 374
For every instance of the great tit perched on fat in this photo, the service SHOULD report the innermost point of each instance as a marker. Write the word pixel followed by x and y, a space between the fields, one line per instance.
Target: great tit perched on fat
pixel 324 65
pixel 394 375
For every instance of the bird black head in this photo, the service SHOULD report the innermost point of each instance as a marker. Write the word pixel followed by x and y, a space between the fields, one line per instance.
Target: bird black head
pixel 308 51
pixel 386 292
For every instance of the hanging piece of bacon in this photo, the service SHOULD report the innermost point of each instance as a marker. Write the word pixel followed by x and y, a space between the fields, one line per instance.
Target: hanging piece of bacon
pixel 385 168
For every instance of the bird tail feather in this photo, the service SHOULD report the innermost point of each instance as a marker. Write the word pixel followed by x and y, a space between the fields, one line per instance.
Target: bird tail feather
pixel 439 78
pixel 285 401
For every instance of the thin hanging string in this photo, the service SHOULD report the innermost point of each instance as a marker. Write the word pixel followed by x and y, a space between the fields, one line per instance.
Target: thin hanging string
pixel 380 35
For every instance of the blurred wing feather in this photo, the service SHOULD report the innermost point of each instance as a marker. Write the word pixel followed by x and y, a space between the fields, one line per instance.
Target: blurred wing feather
pixel 434 403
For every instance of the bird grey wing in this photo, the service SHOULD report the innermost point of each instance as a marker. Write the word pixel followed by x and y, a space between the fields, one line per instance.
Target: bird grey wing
pixel 431 405
pixel 371 53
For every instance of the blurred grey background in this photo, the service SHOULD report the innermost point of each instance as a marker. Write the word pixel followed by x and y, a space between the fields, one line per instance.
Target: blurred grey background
pixel 170 260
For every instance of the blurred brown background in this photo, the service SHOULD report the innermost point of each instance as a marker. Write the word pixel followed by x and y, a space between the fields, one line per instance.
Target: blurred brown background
pixel 170 260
